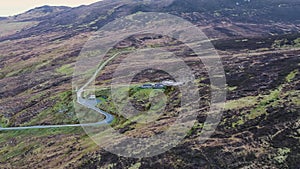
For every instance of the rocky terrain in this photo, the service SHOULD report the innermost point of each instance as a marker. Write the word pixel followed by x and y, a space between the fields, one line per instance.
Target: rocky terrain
pixel 258 42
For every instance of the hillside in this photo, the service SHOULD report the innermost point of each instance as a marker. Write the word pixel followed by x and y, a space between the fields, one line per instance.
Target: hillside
pixel 259 45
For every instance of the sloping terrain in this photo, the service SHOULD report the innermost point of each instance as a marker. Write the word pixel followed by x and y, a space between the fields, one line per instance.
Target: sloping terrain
pixel 259 44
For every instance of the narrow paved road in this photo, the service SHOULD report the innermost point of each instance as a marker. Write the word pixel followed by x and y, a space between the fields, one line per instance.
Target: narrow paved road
pixel 91 104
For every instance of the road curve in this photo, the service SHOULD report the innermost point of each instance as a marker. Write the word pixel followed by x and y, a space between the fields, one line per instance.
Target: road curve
pixel 91 104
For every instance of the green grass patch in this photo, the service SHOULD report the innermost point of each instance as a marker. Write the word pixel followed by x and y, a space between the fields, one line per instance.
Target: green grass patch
pixel 62 112
pixel 135 166
pixel 197 127
pixel 4 122
pixel 24 136
pixel 291 76
pixel 259 104
pixel 134 93
pixel 241 103
pixel 66 69
pixel 297 42
pixel 237 123
pixel 282 154
pixel 232 88
pixel 12 27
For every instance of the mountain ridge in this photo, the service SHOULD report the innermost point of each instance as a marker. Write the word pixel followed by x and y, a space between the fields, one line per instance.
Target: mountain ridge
pixel 96 15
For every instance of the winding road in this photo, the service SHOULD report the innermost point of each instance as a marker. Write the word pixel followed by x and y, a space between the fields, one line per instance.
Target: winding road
pixel 91 104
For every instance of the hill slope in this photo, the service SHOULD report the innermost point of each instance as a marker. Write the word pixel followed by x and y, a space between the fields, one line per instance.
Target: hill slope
pixel 258 42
